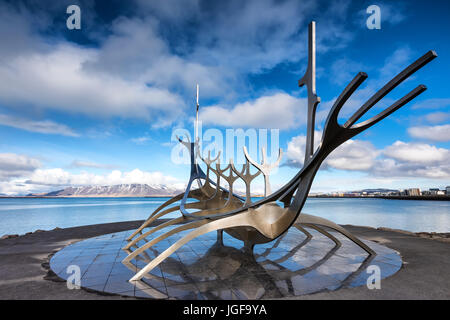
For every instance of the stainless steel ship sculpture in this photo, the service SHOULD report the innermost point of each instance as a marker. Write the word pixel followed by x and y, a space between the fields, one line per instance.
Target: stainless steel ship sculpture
pixel 220 209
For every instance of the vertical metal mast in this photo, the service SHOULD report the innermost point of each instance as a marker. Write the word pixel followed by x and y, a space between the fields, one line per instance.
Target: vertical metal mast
pixel 309 79
pixel 196 119
pixel 196 140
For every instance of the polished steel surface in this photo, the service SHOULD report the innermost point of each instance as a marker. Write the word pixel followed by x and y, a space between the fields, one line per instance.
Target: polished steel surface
pixel 264 221
pixel 296 263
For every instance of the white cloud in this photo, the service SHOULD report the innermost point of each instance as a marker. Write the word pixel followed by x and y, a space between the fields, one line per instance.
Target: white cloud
pixel 136 52
pixel 280 111
pixel 15 188
pixel 295 153
pixel 141 69
pixel 46 180
pixel 21 174
pixel 57 80
pixel 44 126
pixel 353 155
pixel 14 165
pixel 417 153
pixel 55 75
pixel 434 133
pixel 400 159
pixel 60 177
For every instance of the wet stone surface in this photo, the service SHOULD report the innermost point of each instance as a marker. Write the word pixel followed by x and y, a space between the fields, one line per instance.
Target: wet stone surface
pixel 202 269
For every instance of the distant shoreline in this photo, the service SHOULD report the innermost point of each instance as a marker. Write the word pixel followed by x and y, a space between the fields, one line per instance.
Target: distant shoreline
pixel 425 198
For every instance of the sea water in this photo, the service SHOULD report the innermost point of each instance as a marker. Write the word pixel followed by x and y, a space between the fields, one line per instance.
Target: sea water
pixel 21 215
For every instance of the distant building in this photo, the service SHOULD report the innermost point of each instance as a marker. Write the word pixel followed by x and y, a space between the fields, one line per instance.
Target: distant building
pixel 434 191
pixel 441 193
pixel 413 192
pixel 356 194
pixel 447 190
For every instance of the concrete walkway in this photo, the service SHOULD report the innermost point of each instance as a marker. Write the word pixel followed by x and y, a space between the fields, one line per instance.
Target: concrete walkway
pixel 24 275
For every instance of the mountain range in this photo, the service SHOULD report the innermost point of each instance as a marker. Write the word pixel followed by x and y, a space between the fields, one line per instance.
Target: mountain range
pixel 120 190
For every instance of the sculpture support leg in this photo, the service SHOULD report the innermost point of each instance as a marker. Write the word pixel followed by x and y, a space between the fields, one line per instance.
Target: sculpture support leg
pixel 300 228
pixel 248 247
pixel 313 220
pixel 325 233
pixel 220 237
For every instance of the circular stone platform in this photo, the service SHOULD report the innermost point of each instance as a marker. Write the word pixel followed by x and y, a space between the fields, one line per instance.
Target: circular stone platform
pixel 290 266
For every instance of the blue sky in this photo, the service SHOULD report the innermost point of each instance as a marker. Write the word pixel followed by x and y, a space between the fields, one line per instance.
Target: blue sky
pixel 99 105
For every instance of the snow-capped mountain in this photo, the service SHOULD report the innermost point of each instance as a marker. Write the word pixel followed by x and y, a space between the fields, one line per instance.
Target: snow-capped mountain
pixel 120 190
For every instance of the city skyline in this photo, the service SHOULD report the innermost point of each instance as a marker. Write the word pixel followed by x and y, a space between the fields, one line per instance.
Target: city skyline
pixel 99 105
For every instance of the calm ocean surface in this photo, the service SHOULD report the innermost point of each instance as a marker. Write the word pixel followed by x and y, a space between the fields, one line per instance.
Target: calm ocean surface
pixel 18 216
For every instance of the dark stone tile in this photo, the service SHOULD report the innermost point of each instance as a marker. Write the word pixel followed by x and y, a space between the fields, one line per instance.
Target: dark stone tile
pixel 119 277
pixel 205 275
pixel 119 268
pixel 186 256
pixel 247 292
pixel 97 281
pixel 285 287
pixel 118 285
pixel 150 282
pixel 184 292
pixel 219 294
pixel 93 273
pixel 180 278
pixel 103 258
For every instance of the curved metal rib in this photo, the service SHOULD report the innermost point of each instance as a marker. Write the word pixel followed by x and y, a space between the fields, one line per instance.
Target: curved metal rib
pixel 165 204
pixel 247 177
pixel 202 229
pixel 264 167
pixel 402 76
pixel 397 105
